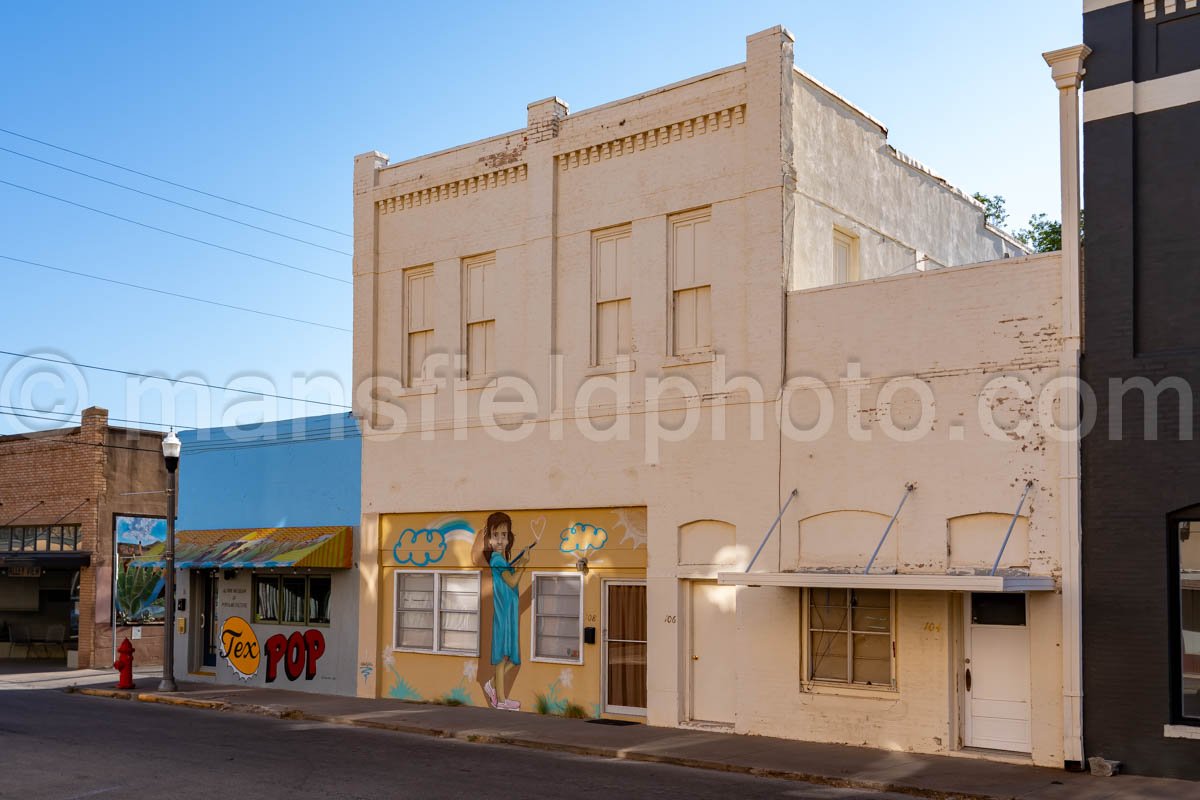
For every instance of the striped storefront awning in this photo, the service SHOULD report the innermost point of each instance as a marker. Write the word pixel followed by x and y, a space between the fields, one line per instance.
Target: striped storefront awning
pixel 327 547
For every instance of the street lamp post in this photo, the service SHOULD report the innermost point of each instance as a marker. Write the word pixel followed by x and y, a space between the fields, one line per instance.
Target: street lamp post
pixel 170 447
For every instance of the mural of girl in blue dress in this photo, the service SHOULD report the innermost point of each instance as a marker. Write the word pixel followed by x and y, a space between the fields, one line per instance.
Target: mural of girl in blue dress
pixel 497 541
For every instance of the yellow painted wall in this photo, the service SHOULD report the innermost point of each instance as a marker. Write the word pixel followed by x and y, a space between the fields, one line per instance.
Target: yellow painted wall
pixel 613 540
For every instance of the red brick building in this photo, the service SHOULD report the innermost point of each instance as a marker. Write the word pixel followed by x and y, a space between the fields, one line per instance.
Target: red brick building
pixel 60 494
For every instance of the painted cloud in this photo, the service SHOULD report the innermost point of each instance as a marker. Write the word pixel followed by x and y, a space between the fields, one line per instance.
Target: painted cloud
pixel 425 546
pixel 582 537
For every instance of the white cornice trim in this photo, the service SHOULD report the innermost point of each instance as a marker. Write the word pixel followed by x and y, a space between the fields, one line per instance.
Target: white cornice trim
pixel 1096 5
pixel 1141 98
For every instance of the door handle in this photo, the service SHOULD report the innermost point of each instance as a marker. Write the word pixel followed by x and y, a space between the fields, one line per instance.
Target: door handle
pixel 695 658
pixel 968 679
pixel 202 621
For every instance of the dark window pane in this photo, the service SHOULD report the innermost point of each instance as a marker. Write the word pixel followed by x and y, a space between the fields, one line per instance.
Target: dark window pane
pixel 319 590
pixel 1189 616
pixel 292 600
pixel 5 538
pixel 266 599
pixel 997 609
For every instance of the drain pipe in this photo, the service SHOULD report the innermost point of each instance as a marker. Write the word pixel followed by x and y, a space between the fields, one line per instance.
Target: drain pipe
pixel 1066 68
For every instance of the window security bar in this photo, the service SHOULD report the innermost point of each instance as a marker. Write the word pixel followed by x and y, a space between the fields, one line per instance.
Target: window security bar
pixel 795 493
pixel 908 489
pixel 1012 523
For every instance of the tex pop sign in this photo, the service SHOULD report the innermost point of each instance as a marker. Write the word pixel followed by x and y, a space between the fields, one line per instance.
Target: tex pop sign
pixel 299 651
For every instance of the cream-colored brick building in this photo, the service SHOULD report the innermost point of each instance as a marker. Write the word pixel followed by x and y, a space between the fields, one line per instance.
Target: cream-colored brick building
pixel 573 337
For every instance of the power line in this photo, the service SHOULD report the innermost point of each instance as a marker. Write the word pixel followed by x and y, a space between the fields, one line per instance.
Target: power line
pixel 80 414
pixel 173 294
pixel 172 183
pixel 169 380
pixel 173 233
pixel 193 448
pixel 174 202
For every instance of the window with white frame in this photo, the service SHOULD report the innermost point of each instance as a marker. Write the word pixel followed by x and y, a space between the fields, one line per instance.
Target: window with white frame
pixel 437 612
pixel 612 296
pixel 690 258
pixel 845 256
pixel 480 301
pixel 850 635
pixel 418 320
pixel 558 618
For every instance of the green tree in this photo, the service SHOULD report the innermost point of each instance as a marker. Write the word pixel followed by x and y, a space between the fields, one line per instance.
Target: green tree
pixel 995 214
pixel 1044 235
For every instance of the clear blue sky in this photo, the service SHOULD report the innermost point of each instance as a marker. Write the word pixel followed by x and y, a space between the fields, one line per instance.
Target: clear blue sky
pixel 269 102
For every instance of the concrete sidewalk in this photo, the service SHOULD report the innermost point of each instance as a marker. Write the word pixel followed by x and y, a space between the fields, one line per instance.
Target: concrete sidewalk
pixel 833 765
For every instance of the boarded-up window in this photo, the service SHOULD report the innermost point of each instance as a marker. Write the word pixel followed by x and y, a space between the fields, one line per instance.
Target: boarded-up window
pixel 418 323
pixel 481 316
pixel 612 293
pixel 845 257
pixel 691 282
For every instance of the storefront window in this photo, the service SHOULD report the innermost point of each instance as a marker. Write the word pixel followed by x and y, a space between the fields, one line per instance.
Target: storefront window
pixel 1189 617
pixel 39 538
pixel 292 599
pixel 850 636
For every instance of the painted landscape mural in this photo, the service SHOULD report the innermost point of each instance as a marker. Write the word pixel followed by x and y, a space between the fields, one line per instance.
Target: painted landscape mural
pixel 138 593
pixel 504 608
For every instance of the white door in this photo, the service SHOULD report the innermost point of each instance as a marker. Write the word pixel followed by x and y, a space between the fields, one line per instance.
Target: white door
pixel 625 647
pixel 712 652
pixel 996 674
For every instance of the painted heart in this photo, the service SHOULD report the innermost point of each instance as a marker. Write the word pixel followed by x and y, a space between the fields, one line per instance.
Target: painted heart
pixel 538 526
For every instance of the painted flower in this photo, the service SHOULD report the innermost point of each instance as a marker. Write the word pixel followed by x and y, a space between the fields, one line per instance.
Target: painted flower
pixel 565 677
pixel 470 670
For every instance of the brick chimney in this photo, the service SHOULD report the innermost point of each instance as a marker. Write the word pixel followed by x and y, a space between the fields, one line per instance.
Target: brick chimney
pixel 545 117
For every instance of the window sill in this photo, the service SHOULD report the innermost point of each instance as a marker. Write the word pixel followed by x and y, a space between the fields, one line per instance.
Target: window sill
pixel 452 653
pixel 544 660
pixel 417 389
pixel 1181 731
pixel 850 690
pixel 629 365
pixel 706 357
pixel 474 384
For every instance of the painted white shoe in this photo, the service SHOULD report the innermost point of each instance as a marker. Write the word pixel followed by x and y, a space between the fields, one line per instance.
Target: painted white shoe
pixel 490 691
pixel 510 705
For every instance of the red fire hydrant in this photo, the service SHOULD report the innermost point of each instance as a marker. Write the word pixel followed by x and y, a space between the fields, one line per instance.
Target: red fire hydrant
pixel 124 664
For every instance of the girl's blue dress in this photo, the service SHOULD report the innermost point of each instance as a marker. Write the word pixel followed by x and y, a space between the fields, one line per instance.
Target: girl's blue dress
pixel 506 633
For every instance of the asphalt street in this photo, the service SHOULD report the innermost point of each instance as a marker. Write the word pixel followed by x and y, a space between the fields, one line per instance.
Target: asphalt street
pixel 61 747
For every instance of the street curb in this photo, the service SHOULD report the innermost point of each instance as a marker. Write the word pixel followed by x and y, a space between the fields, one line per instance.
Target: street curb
pixel 615 754
pixel 113 694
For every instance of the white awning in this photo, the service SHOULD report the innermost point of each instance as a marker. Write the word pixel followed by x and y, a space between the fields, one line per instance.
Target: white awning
pixel 925 582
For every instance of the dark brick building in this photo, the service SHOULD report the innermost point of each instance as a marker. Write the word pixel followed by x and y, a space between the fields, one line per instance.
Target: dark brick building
pixel 60 493
pixel 1141 464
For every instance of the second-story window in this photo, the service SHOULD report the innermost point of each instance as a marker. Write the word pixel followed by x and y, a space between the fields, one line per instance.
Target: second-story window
pixel 612 294
pixel 418 323
pixel 690 258
pixel 480 303
pixel 845 256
